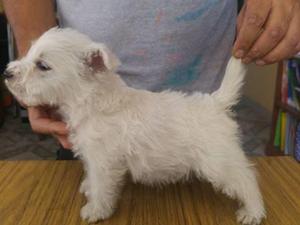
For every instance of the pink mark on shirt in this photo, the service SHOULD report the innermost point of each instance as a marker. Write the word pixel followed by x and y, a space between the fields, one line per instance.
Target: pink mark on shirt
pixel 140 52
pixel 158 17
pixel 174 58
pixel 167 38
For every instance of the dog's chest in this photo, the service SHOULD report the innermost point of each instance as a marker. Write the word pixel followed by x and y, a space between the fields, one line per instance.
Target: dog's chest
pixel 96 134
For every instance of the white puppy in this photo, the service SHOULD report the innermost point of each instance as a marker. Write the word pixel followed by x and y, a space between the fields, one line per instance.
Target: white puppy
pixel 156 137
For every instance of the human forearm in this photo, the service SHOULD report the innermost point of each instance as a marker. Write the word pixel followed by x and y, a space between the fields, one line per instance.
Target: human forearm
pixel 29 19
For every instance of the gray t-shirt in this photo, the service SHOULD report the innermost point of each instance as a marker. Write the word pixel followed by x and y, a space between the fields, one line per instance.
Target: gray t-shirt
pixel 180 44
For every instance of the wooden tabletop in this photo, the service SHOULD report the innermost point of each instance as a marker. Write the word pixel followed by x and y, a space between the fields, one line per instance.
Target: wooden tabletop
pixel 46 193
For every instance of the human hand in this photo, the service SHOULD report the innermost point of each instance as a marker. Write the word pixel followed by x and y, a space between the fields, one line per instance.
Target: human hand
pixel 268 31
pixel 43 120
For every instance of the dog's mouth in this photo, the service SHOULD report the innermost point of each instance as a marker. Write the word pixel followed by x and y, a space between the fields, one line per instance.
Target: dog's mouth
pixel 19 94
pixel 10 88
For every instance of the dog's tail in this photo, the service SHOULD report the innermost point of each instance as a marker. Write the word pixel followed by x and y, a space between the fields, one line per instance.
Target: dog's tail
pixel 230 90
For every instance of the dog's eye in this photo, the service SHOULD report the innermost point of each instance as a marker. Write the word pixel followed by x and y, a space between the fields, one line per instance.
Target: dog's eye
pixel 42 66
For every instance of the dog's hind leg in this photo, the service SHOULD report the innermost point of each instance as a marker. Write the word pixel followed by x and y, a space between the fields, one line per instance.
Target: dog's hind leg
pixel 235 177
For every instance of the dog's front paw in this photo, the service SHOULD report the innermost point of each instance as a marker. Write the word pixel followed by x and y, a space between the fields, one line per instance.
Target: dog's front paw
pixel 84 187
pixel 92 213
pixel 248 218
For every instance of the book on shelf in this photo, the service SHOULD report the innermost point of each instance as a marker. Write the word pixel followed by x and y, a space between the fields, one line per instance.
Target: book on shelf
pixel 287 129
pixel 285 133
pixel 277 132
pixel 290 88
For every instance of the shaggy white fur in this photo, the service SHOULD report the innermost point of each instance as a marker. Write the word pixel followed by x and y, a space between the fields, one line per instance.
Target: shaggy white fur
pixel 156 137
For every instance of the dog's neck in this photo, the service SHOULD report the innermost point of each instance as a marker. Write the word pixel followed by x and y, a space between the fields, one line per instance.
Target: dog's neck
pixel 102 95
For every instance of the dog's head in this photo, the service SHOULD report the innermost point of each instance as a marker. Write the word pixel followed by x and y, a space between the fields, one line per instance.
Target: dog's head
pixel 56 66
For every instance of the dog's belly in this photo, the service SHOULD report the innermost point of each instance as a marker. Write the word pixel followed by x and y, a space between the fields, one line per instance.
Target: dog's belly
pixel 151 172
pixel 157 177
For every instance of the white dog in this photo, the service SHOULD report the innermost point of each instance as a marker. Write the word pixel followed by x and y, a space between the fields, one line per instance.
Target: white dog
pixel 156 137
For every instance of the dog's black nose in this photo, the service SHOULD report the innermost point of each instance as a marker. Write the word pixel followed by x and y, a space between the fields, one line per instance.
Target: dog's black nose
pixel 7 74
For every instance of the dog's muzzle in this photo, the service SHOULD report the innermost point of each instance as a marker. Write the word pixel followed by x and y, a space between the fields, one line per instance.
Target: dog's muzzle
pixel 7 74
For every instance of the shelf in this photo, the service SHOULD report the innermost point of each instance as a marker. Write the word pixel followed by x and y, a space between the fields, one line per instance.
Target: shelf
pixel 294 112
pixel 280 106
pixel 273 151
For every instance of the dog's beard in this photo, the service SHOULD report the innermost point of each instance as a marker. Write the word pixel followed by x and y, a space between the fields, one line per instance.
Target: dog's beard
pixel 16 90
pixel 22 96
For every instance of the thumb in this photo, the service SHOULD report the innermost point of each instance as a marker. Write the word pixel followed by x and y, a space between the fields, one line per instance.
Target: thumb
pixel 63 140
pixel 58 128
pixel 240 19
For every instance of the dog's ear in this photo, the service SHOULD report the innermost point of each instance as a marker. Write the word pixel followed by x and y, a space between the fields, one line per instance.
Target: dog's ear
pixel 100 58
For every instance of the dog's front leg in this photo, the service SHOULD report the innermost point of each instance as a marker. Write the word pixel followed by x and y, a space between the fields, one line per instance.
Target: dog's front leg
pixel 83 189
pixel 104 182
pixel 84 186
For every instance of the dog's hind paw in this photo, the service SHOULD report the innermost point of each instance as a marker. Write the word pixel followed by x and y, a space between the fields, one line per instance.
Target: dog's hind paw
pixel 247 218
pixel 92 213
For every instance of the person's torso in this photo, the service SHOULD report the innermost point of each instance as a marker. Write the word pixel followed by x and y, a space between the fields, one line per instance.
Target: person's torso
pixel 180 44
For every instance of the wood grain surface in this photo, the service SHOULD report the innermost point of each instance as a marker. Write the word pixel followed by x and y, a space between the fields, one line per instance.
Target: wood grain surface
pixel 46 193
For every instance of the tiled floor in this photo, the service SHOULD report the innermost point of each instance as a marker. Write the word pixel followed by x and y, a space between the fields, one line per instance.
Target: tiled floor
pixel 18 142
pixel 255 124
